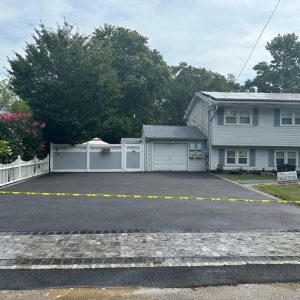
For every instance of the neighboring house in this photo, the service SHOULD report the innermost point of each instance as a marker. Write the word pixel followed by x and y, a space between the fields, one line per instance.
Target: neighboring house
pixel 248 130
pixel 174 148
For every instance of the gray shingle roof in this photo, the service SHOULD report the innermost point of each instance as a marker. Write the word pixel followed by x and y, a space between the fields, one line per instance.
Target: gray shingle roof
pixel 131 140
pixel 260 97
pixel 183 133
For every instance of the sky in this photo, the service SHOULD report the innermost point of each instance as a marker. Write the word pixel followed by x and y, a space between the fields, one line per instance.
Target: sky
pixel 214 34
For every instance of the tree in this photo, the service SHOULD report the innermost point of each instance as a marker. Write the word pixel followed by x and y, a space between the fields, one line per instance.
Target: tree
pixel 186 81
pixel 284 68
pixel 143 76
pixel 106 84
pixel 9 101
pixel 66 81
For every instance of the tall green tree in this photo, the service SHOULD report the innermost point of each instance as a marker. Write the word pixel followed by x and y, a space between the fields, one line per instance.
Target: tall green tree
pixel 143 77
pixel 284 68
pixel 186 81
pixel 66 81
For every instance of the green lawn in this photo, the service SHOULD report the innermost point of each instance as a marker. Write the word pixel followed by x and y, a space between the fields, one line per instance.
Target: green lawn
pixel 241 177
pixel 291 192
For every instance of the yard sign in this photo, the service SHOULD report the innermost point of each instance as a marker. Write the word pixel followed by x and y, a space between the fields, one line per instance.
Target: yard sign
pixel 286 178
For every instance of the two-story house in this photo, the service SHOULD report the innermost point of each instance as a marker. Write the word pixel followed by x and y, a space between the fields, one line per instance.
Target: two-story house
pixel 248 130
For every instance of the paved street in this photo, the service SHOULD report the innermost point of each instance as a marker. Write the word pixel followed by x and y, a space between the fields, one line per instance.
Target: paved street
pixel 246 292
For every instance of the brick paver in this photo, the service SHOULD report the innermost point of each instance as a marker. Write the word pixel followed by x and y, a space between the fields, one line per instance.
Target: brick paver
pixel 134 249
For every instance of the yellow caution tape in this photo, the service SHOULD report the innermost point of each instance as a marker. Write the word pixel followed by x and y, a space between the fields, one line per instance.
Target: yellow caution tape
pixel 149 197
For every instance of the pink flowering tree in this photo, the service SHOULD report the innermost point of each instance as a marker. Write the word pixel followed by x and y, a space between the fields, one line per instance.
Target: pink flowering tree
pixel 23 135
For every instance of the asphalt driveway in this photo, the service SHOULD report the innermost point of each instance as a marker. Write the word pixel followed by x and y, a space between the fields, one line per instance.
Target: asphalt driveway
pixel 67 213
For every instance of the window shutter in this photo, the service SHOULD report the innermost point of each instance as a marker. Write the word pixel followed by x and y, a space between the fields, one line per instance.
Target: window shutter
pixel 220 116
pixel 255 117
pixel 299 158
pixel 271 157
pixel 252 161
pixel 276 117
pixel 222 157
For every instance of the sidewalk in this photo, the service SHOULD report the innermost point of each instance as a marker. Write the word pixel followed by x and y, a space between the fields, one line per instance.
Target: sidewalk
pixel 126 249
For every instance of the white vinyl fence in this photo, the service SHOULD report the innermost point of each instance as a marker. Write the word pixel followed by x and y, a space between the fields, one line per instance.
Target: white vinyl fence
pixel 19 170
pixel 96 158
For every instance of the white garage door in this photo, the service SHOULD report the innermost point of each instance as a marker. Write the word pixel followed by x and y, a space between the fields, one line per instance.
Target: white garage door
pixel 170 157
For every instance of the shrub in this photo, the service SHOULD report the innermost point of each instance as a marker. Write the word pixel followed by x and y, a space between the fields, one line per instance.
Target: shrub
pixel 23 136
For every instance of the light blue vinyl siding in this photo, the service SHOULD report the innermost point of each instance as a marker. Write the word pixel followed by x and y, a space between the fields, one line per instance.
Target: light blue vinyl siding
pixel 199 116
pixel 265 134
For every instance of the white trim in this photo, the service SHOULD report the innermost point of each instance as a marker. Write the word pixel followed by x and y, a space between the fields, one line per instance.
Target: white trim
pixel 238 111
pixel 236 150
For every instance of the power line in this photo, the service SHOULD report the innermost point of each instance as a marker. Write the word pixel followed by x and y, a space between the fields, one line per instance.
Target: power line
pixel 270 17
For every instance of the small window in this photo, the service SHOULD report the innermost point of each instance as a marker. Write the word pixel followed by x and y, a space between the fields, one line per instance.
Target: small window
pixel 230 157
pixel 230 116
pixel 243 157
pixel 286 118
pixel 279 158
pixel 245 117
pixel 297 118
pixel 291 158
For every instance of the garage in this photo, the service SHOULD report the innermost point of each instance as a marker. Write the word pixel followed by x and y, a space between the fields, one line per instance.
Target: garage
pixel 174 148
pixel 170 157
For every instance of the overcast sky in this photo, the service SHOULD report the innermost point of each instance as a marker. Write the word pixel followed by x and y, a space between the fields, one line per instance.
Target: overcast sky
pixel 215 34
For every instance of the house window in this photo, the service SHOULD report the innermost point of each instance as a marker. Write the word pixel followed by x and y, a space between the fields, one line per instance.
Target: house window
pixel 230 157
pixel 291 158
pixel 245 116
pixel 286 118
pixel 290 118
pixel 279 158
pixel 230 116
pixel 237 157
pixel 243 157
pixel 237 116
pixel 286 157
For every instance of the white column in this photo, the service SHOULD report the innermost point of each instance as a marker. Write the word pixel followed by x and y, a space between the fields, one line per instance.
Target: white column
pixel 123 149
pixel 51 157
pixel 19 167
pixel 88 157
